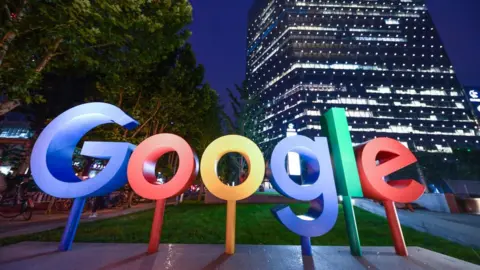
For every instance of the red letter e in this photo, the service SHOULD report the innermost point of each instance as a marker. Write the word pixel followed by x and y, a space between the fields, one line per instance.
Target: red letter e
pixel 391 156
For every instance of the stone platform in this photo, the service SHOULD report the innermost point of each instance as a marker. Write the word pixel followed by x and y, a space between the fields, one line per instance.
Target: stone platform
pixel 41 255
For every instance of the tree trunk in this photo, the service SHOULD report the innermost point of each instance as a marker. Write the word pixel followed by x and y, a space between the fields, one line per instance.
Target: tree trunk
pixel 10 36
pixel 148 120
pixel 155 129
pixel 6 40
pixel 125 133
pixel 162 128
pixel 170 159
pixel 130 198
pixel 175 163
pixel 8 106
pixel 240 170
pixel 137 103
pixel 50 206
pixel 46 58
pixel 178 199
pixel 120 98
pixel 200 192
pixel 181 197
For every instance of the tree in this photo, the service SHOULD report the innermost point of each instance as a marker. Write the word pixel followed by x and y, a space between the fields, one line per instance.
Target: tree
pixel 111 39
pixel 170 96
pixel 209 129
pixel 246 109
pixel 132 52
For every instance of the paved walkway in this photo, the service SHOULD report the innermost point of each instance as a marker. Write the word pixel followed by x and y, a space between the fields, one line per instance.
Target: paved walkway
pixel 41 222
pixel 466 219
pixel 41 255
pixel 460 228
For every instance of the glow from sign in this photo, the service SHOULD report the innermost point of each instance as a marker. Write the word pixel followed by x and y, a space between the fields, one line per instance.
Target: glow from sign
pixel 292 157
pixel 473 94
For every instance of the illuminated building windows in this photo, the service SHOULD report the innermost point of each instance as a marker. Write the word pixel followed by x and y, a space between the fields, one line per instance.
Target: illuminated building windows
pixel 359 114
pixel 380 60
pixel 392 22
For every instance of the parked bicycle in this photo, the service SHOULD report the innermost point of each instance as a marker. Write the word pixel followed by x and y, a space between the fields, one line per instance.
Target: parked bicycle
pixel 122 197
pixel 115 199
pixel 62 205
pixel 16 204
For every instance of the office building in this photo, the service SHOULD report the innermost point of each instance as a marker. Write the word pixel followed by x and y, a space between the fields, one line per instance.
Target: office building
pixel 383 61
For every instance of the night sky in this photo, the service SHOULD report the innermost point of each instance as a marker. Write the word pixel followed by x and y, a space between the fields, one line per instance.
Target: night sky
pixel 220 26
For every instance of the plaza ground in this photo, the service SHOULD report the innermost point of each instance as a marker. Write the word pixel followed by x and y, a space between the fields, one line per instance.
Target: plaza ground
pixel 192 223
pixel 43 255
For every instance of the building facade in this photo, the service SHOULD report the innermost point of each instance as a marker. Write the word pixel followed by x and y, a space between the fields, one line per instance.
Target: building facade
pixel 383 61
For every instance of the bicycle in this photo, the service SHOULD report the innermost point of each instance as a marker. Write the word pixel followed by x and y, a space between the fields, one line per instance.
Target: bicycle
pixel 18 200
pixel 62 205
pixel 126 196
pixel 122 199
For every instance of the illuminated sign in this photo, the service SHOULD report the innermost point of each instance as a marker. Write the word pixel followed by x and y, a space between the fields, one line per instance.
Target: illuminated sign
pixel 473 94
pixel 474 98
pixel 335 169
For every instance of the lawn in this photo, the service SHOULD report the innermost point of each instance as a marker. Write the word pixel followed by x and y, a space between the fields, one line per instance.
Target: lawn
pixel 268 193
pixel 205 224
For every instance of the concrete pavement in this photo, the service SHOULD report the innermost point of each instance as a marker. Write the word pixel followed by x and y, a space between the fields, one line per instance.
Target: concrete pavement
pixel 41 255
pixel 460 228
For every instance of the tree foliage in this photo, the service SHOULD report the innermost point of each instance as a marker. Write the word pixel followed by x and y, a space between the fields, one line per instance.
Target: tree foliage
pixel 245 111
pixel 168 97
pixel 109 38
pixel 133 53
pixel 244 122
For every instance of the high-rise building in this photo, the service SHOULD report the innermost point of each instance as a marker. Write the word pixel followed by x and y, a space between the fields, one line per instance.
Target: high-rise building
pixel 383 61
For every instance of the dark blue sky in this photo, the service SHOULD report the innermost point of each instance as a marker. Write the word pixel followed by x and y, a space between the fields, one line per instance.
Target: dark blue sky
pixel 220 26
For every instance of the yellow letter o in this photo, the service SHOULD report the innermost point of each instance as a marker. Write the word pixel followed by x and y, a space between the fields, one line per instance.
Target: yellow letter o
pixel 232 144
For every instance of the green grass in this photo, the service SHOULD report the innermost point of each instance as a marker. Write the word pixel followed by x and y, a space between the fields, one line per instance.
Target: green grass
pixel 268 193
pixel 205 224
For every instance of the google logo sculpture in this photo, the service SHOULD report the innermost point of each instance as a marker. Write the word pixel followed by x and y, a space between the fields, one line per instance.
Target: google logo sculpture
pixel 340 170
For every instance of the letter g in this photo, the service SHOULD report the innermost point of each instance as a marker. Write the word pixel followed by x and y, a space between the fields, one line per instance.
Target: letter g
pixel 321 192
pixel 51 161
